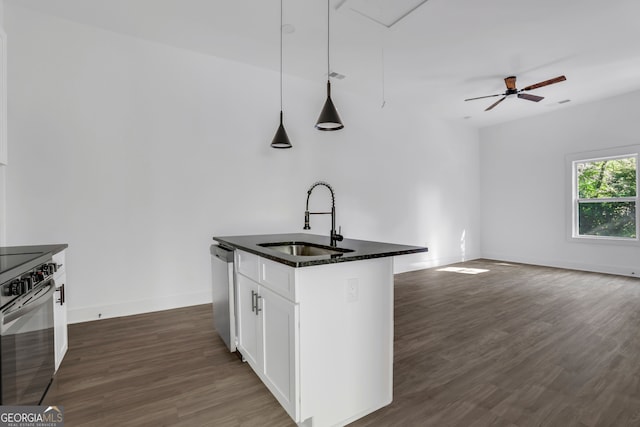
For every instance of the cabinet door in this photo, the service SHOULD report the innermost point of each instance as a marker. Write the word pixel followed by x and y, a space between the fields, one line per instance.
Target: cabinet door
pixel 279 351
pixel 60 308
pixel 60 324
pixel 247 320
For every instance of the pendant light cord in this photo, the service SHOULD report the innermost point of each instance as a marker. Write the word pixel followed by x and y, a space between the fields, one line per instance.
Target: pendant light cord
pixel 328 41
pixel 329 118
pixel 281 55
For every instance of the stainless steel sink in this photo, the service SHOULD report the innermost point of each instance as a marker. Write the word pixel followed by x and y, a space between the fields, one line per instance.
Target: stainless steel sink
pixel 304 249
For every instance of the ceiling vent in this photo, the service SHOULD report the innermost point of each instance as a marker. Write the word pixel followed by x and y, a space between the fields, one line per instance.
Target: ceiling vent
pixel 384 12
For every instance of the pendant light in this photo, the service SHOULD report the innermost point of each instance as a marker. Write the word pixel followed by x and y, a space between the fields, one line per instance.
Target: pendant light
pixel 281 139
pixel 329 118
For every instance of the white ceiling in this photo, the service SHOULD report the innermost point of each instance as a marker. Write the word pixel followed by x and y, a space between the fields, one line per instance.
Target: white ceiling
pixel 439 54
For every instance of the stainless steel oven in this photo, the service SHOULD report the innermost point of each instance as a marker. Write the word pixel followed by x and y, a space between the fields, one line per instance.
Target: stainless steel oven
pixel 27 340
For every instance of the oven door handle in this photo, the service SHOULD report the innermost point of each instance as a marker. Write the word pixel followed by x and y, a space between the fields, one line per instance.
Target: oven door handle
pixel 32 305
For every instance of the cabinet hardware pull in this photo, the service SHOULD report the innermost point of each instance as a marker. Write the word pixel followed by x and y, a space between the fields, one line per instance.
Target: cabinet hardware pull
pixel 61 296
pixel 258 309
pixel 253 301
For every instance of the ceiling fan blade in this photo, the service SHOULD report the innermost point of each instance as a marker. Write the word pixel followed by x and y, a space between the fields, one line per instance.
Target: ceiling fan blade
pixel 546 83
pixel 496 103
pixel 481 97
pixel 510 82
pixel 530 97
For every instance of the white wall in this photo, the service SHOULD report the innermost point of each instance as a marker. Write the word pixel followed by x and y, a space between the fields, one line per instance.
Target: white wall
pixel 136 154
pixel 525 189
pixel 3 178
pixel 3 210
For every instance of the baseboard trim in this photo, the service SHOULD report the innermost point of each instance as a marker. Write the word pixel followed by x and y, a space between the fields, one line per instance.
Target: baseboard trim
pixel 129 308
pixel 421 261
pixel 629 271
pixel 402 264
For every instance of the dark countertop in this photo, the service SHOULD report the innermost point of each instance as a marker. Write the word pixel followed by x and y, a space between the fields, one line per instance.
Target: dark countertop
pixel 15 260
pixel 362 249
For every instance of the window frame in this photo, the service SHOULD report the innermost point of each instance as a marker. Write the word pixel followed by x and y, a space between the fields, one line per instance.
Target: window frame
pixel 574 201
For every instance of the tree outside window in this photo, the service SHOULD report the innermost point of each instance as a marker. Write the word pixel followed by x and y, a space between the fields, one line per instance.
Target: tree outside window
pixel 606 197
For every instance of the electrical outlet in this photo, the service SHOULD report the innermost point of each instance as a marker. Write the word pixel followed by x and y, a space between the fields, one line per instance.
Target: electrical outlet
pixel 351 290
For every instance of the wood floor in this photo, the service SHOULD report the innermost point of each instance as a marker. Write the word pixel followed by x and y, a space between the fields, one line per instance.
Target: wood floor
pixel 513 346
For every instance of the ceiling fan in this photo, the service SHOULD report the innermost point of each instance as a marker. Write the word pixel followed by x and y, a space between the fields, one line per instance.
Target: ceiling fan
pixel 511 90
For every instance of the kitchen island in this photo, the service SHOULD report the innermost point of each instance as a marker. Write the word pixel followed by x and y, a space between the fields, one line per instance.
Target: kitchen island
pixel 357 250
pixel 315 322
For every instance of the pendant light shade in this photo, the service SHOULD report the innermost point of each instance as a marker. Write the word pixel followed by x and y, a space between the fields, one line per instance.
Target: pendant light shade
pixel 281 139
pixel 329 118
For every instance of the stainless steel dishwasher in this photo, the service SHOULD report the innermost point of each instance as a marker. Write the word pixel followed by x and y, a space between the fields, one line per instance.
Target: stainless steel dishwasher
pixel 223 285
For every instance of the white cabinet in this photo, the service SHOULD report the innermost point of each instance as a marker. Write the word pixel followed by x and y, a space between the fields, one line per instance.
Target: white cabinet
pixel 267 339
pixel 247 320
pixel 319 337
pixel 278 277
pixel 60 309
pixel 247 264
pixel 279 330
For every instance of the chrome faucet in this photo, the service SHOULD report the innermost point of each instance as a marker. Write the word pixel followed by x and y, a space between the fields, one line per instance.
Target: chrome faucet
pixel 334 237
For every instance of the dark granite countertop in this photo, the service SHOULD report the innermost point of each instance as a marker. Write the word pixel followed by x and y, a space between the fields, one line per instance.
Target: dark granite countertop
pixel 361 249
pixel 15 260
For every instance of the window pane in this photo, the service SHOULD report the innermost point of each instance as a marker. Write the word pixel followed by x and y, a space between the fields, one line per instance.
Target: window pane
pixel 607 178
pixel 613 219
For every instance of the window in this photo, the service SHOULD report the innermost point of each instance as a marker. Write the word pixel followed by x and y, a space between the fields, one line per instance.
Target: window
pixel 605 197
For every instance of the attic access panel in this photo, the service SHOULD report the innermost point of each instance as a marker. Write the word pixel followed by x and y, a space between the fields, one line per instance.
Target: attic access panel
pixel 383 12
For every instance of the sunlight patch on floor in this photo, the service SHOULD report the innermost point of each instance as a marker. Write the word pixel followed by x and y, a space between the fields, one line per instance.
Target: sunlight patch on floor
pixel 463 270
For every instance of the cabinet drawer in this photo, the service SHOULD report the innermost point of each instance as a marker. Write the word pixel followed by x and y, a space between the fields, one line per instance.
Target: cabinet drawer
pixel 278 277
pixel 247 265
